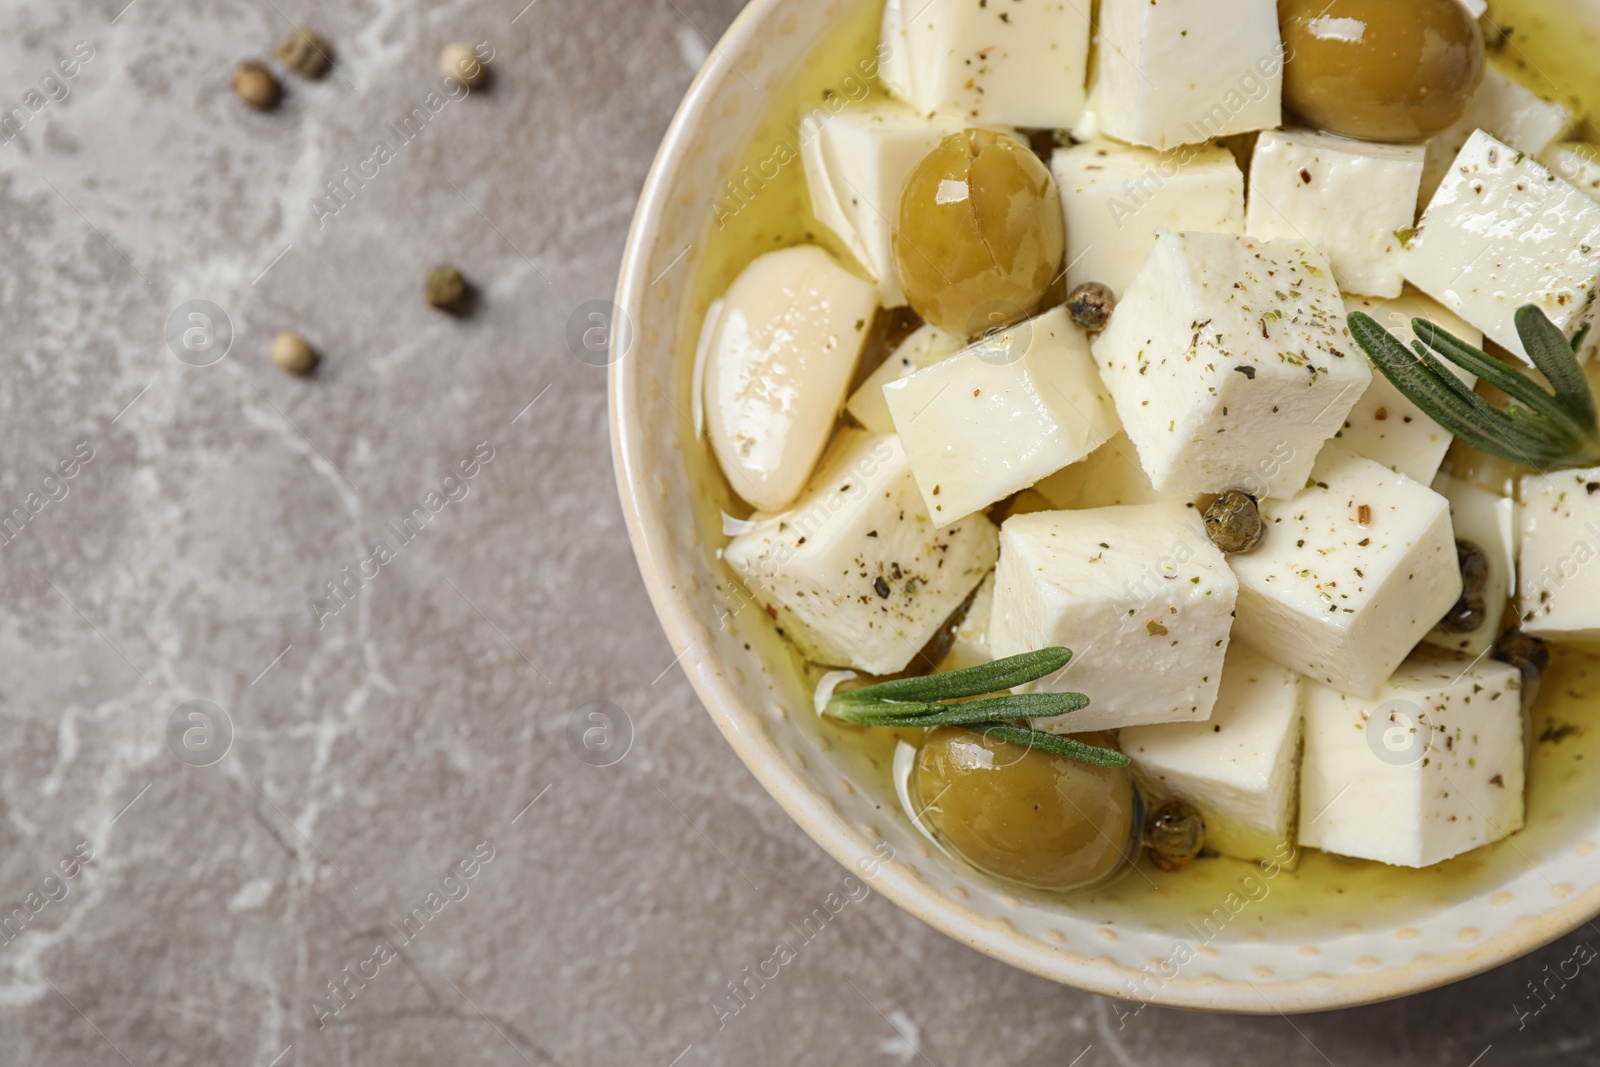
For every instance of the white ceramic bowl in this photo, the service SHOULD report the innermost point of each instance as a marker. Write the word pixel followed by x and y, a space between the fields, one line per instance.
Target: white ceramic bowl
pixel 763 708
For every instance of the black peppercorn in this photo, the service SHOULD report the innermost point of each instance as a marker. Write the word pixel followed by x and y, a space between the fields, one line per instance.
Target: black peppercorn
pixel 447 289
pixel 1174 835
pixel 305 52
pixel 1472 610
pixel 1090 306
pixel 1528 654
pixel 1233 522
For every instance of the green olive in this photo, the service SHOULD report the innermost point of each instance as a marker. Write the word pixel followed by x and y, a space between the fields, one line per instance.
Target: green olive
pixel 979 234
pixel 1026 815
pixel 1379 70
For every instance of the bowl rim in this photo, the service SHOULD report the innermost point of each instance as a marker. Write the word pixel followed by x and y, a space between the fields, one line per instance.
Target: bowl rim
pixel 800 797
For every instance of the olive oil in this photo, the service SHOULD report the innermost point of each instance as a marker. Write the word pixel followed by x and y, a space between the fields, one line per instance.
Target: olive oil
pixel 765 205
pixel 1552 48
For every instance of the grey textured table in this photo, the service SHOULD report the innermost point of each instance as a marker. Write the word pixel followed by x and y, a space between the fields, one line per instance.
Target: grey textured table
pixel 400 732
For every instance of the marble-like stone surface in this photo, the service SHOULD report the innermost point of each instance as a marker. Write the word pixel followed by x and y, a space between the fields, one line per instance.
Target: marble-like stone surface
pixel 422 727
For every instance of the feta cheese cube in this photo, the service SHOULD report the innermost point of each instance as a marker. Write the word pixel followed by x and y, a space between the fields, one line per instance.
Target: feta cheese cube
pixel 926 346
pixel 1501 232
pixel 1012 64
pixel 970 646
pixel 1115 197
pixel 1240 768
pixel 1182 71
pixel 1508 111
pixel 1427 768
pixel 779 357
pixel 1354 571
pixel 1230 363
pixel 1488 521
pixel 1000 415
pixel 1107 477
pixel 1558 590
pixel 1385 425
pixel 856 162
pixel 1140 595
pixel 1351 200
pixel 854 572
pixel 1577 163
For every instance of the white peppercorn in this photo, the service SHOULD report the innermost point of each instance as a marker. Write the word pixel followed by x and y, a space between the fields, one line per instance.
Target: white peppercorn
pixel 291 352
pixel 460 63
pixel 256 86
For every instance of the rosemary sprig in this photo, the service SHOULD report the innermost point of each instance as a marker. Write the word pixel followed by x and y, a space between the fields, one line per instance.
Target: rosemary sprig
pixel 986 678
pixel 1015 706
pixel 1060 746
pixel 912 702
pixel 1544 430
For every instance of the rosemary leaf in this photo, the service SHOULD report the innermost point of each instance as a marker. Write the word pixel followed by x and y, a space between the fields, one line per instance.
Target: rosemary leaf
pixel 1517 386
pixel 1581 336
pixel 1044 742
pixel 1556 359
pixel 1526 433
pixel 1423 384
pixel 919 702
pixel 1541 431
pixel 1016 706
pixel 995 677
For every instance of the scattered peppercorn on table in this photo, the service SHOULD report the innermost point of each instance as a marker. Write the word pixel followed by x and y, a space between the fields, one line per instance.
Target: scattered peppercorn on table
pixel 472 746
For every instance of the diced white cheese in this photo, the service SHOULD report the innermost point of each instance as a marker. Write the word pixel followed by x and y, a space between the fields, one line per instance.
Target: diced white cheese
pixel 1183 71
pixel 1386 426
pixel 1507 110
pixel 1578 163
pixel 1489 522
pixel 926 346
pixel 1353 572
pixel 1428 768
pixel 1239 768
pixel 854 572
pixel 1016 64
pixel 1106 477
pixel 1558 580
pixel 856 162
pixel 1501 232
pixel 970 648
pixel 1351 200
pixel 1115 197
pixel 1140 595
pixel 1000 415
pixel 779 360
pixel 1230 363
